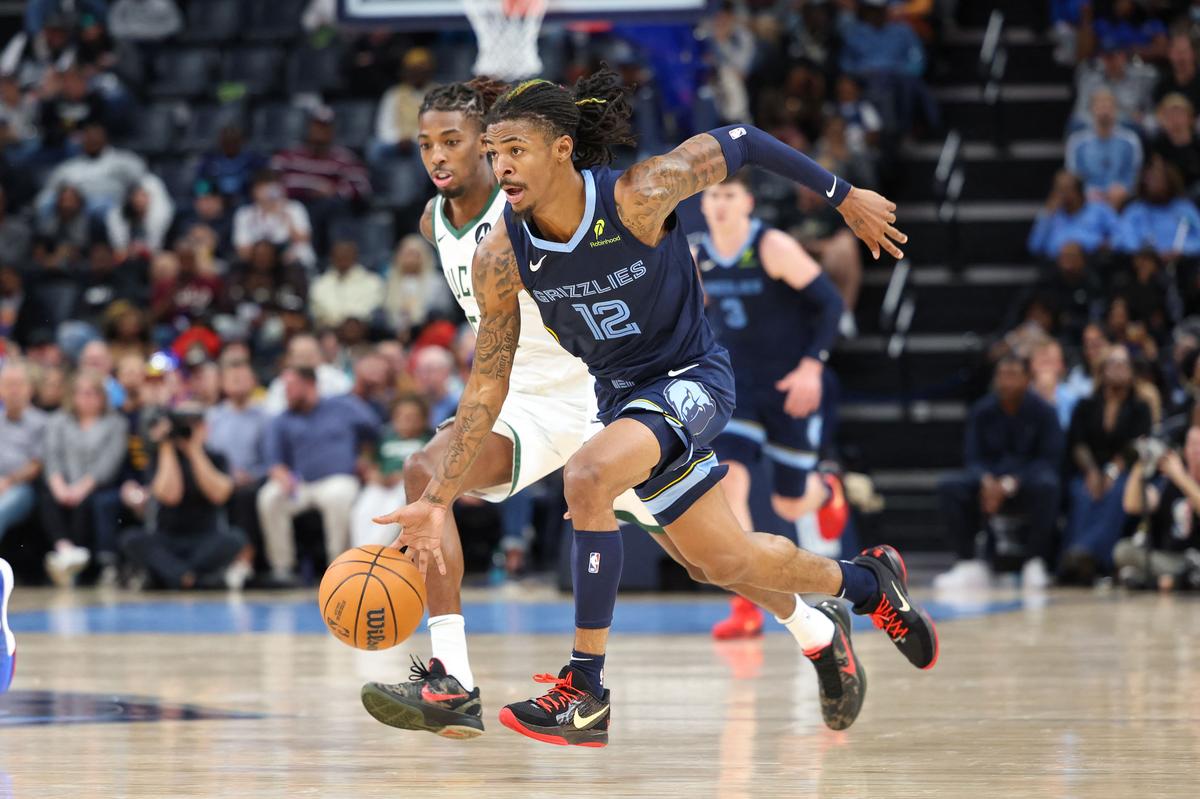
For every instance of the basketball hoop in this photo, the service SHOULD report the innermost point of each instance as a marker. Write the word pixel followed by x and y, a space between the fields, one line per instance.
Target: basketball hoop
pixel 507 32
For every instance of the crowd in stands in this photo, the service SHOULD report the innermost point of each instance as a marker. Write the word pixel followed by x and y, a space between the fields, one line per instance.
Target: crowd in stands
pixel 1112 442
pixel 217 319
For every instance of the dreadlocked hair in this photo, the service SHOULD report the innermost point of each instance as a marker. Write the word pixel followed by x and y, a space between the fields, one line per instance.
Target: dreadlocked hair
pixel 474 98
pixel 594 113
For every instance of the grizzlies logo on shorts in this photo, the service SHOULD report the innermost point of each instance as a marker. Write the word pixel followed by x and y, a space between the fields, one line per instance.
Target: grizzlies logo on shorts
pixel 692 404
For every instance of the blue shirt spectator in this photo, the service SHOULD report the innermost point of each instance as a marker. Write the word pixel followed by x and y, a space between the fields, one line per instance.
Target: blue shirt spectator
pixel 230 168
pixel 871 43
pixel 1104 155
pixel 1161 217
pixel 1068 217
pixel 235 431
pixel 323 440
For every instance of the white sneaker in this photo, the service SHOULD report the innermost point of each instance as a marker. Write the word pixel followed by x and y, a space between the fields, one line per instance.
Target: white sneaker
pixel 237 574
pixel 63 565
pixel 966 575
pixel 1034 576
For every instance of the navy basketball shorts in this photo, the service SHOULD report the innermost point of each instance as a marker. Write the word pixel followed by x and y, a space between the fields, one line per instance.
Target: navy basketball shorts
pixel 685 410
pixel 760 428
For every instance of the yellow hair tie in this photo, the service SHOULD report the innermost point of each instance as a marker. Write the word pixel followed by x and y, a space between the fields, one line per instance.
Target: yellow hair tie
pixel 587 100
pixel 520 87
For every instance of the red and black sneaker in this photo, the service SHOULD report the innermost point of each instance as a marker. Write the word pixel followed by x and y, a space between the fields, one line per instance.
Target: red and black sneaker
pixel 569 714
pixel 909 627
pixel 431 700
pixel 745 620
pixel 840 675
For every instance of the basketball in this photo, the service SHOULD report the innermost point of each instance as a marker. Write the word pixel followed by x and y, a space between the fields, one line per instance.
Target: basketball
pixel 372 597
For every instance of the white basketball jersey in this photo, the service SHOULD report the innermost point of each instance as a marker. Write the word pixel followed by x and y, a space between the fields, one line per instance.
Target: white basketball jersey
pixel 541 366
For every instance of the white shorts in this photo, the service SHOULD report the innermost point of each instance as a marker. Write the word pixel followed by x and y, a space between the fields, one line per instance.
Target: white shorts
pixel 546 431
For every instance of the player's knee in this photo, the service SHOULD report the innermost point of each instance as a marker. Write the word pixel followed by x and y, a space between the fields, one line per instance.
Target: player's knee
pixel 723 568
pixel 418 471
pixel 584 486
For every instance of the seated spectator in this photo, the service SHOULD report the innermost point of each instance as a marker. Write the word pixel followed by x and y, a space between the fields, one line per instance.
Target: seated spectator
pixel 208 223
pixel 18 120
pixel 1073 290
pixel 732 46
pixel 144 20
pixel 328 178
pixel 186 289
pixel 1170 503
pixel 373 381
pixel 1013 452
pixel 18 314
pixel 22 443
pixel 1069 217
pixel 396 119
pixel 103 174
pixel 1181 76
pixel 236 430
pixel 1130 25
pixel 65 234
pixel 16 236
pixel 347 289
pixel 416 287
pixel 1049 372
pixel 312 455
pixel 1084 376
pixel 68 103
pixel 303 352
pixel 889 58
pixel 50 388
pixel 127 331
pixel 85 447
pixel 1106 157
pixel 1161 217
pixel 864 126
pixel 190 544
pixel 383 489
pixel 104 283
pixel 230 168
pixel 1176 142
pixel 1103 430
pixel 138 227
pixel 273 218
pixel 1144 291
pixel 1131 83
pixel 433 373
pixel 41 47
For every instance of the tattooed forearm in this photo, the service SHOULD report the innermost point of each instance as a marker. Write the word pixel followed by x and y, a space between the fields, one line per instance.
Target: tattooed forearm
pixel 496 283
pixel 651 189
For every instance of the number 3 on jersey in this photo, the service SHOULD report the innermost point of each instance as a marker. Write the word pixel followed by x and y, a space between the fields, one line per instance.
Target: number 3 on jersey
pixel 605 319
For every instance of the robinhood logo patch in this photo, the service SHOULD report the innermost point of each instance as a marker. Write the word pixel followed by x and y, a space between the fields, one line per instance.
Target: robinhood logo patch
pixel 598 229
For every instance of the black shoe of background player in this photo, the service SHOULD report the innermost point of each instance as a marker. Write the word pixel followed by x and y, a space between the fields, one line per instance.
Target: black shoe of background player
pixel 840 675
pixel 569 714
pixel 909 627
pixel 431 700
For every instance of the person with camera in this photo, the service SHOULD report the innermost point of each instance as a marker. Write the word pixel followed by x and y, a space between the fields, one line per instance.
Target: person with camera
pixel 188 544
pixel 1169 507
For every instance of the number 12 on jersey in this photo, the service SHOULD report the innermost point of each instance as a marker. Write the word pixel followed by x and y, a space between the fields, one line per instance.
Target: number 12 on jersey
pixel 608 320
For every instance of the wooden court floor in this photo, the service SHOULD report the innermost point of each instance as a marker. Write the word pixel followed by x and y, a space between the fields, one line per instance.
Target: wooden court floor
pixel 1081 695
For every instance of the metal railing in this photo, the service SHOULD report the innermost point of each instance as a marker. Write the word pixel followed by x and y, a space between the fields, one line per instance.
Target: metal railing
pixel 993 63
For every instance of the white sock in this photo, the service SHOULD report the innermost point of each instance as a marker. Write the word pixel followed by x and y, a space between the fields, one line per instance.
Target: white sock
pixel 811 628
pixel 448 635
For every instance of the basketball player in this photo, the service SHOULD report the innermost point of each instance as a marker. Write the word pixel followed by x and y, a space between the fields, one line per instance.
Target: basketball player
pixel 548 414
pixel 758 281
pixel 603 257
pixel 8 643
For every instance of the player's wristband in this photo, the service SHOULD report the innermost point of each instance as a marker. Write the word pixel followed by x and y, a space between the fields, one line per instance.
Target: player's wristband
pixel 746 144
pixel 823 297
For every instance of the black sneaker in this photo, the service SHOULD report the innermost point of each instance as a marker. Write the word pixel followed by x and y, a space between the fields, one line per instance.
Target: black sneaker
pixel 839 673
pixel 909 627
pixel 431 700
pixel 569 714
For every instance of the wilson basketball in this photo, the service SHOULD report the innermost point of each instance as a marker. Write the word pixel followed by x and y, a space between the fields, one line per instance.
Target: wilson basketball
pixel 372 597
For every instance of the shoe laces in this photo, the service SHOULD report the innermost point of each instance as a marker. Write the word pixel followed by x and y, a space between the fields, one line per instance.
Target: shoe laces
pixel 560 696
pixel 418 671
pixel 887 619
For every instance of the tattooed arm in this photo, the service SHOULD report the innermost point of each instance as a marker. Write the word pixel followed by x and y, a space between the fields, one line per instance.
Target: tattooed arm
pixel 649 191
pixel 497 283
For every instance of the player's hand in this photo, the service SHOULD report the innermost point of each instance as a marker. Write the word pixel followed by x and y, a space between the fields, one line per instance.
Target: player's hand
pixel 421 525
pixel 802 386
pixel 871 216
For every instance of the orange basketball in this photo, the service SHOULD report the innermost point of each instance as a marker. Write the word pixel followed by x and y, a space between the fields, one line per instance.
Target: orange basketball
pixel 372 597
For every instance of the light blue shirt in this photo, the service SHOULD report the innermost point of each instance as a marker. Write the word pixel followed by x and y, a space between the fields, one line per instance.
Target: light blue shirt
pixel 1159 226
pixel 1090 227
pixel 238 435
pixel 892 48
pixel 1101 162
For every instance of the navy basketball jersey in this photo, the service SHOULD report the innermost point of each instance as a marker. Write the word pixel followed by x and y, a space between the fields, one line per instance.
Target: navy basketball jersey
pixel 759 319
pixel 631 312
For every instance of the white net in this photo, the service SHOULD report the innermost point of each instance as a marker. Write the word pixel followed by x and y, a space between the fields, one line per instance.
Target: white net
pixel 507 32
